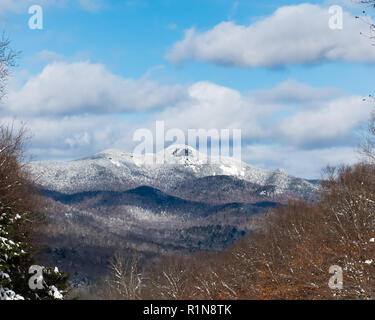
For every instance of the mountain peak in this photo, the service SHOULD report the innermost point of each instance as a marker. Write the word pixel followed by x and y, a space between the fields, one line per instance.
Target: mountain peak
pixel 181 154
pixel 281 171
pixel 181 150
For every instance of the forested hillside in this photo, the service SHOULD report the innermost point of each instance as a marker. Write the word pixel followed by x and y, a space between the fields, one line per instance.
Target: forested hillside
pixel 290 258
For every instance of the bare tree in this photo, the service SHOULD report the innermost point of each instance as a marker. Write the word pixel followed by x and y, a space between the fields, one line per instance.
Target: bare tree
pixel 367 147
pixel 172 279
pixel 348 199
pixel 127 280
pixel 8 57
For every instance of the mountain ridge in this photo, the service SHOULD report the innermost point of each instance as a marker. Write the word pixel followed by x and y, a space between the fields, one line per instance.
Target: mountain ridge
pixel 115 170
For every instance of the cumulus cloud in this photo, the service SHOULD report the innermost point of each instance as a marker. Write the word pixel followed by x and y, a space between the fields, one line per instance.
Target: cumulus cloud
pixel 63 88
pixel 305 118
pixel 298 34
pixel 213 106
pixel 333 120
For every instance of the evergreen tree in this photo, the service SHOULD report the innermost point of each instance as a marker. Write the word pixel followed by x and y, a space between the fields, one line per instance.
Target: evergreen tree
pixel 18 217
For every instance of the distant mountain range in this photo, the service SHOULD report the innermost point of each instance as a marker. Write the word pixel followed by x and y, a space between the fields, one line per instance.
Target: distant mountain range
pixel 113 201
pixel 184 172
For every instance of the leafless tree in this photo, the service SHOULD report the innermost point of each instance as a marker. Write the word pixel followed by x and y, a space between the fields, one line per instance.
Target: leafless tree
pixel 8 57
pixel 367 146
pixel 172 279
pixel 127 280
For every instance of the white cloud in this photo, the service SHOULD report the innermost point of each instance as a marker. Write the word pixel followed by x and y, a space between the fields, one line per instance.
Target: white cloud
pixel 213 106
pixel 314 116
pixel 301 163
pixel 71 137
pixel 63 88
pixel 292 35
pixel 332 120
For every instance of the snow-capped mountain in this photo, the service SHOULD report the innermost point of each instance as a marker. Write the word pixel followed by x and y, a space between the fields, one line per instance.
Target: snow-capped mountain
pixel 174 201
pixel 168 170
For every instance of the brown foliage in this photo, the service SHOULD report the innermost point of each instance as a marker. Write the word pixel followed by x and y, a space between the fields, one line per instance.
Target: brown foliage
pixel 16 185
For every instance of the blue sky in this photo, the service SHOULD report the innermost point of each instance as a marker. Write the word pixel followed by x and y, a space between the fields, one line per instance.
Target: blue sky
pixel 132 37
pixel 101 69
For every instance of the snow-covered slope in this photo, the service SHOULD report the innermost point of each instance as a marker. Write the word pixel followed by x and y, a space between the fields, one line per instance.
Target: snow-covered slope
pixel 117 170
